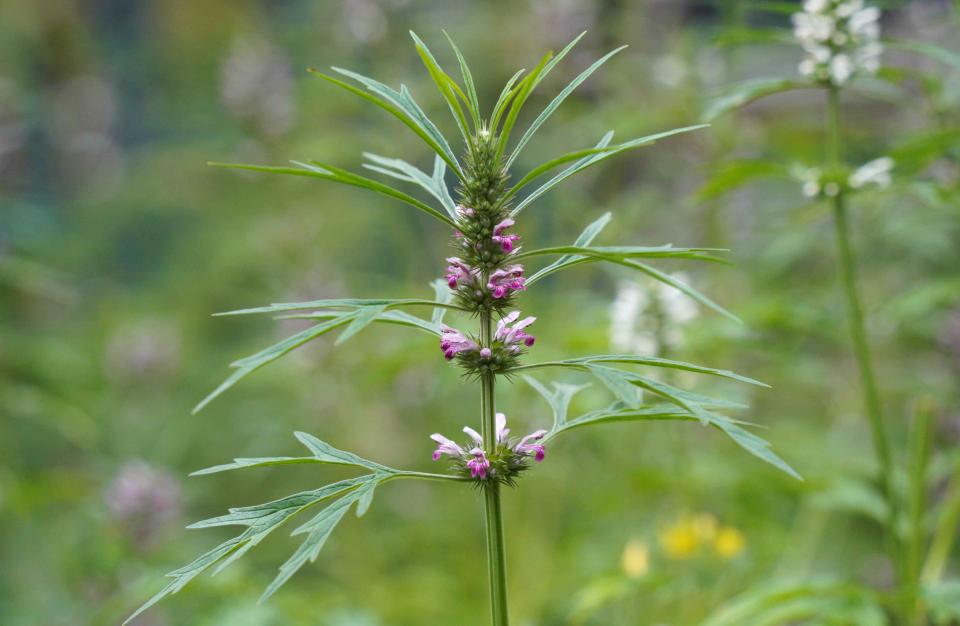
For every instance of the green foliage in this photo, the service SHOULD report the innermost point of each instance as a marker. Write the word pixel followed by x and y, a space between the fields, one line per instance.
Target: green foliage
pixel 262 519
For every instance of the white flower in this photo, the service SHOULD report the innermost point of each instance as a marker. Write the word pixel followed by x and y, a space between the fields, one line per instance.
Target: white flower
pixel 810 179
pixel 840 39
pixel 875 172
pixel 841 68
pixel 643 320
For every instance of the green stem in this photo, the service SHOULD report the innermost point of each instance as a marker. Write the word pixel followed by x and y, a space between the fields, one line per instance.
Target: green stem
pixel 945 532
pixel 848 270
pixel 916 506
pixel 426 476
pixel 496 555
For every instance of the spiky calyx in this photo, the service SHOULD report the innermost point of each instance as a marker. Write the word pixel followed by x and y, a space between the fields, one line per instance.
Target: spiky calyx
pixel 483 245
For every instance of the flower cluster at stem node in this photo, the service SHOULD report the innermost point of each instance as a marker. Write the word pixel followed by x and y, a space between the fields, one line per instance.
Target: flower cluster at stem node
pixel 503 464
pixel 482 273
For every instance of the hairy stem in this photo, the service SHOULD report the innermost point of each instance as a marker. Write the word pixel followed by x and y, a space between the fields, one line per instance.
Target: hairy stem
pixel 858 335
pixel 496 555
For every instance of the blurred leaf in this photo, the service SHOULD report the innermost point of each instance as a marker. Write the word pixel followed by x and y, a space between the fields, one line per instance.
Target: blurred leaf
pixel 556 102
pixel 927 49
pixel 772 6
pixel 739 95
pixel 819 602
pixel 742 35
pixel 915 154
pixel 733 174
pixel 849 495
pixel 943 600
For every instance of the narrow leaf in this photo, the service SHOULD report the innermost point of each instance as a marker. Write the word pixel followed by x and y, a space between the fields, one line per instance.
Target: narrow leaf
pixel 556 102
pixel 587 161
pixel 745 93
pixel 618 383
pixel 390 101
pixel 252 363
pixel 401 170
pixel 467 82
pixel 361 320
pixel 585 239
pixel 324 451
pixel 559 398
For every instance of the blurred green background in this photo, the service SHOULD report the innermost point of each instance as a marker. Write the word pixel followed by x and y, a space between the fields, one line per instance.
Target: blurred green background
pixel 117 242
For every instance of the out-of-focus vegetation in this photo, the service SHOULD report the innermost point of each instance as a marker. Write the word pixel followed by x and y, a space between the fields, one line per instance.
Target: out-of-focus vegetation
pixel 117 242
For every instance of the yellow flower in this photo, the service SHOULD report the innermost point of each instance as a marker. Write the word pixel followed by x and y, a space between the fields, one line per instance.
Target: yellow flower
pixel 681 540
pixel 636 559
pixel 729 542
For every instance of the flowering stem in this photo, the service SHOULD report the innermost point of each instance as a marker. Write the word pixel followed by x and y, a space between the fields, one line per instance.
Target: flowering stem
pixel 496 556
pixel 848 270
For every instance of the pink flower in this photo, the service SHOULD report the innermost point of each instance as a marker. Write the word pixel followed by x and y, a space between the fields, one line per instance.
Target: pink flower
pixel 505 241
pixel 505 280
pixel 528 445
pixel 464 212
pixel 512 336
pixel 506 456
pixel 453 342
pixel 479 464
pixel 446 446
pixel 459 273
pixel 502 431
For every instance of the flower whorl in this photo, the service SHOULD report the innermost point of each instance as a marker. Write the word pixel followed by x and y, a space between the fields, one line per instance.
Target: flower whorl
pixel 481 273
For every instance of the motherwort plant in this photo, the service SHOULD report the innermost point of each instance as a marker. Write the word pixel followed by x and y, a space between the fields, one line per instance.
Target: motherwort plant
pixel 840 42
pixel 485 278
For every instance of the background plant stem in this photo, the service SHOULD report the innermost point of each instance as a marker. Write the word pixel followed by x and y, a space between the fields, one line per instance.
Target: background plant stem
pixel 496 556
pixel 861 348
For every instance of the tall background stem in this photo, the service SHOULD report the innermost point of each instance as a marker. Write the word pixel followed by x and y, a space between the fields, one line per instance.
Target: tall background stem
pixel 496 556
pixel 858 335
